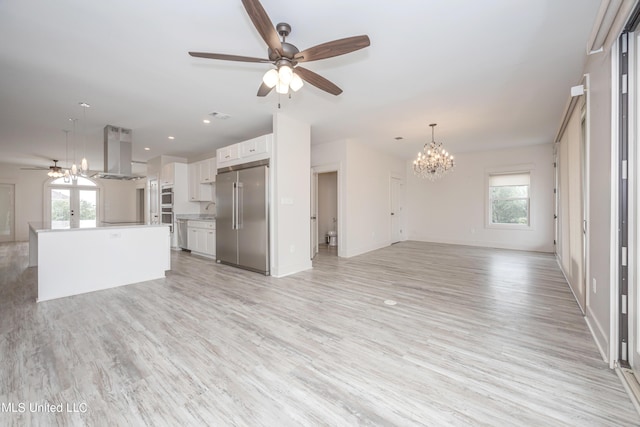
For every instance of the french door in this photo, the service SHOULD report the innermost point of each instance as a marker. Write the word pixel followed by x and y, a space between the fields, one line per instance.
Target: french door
pixel 73 205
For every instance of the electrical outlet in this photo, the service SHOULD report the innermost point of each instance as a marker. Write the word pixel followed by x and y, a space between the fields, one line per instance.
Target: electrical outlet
pixel 593 285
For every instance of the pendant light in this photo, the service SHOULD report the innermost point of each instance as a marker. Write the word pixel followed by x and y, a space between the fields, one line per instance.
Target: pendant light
pixel 73 172
pixel 84 164
pixel 67 175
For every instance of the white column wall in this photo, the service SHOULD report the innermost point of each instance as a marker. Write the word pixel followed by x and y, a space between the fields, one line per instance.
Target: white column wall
pixel 291 196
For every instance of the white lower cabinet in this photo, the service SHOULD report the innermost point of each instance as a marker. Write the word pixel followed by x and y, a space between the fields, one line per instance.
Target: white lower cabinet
pixel 202 237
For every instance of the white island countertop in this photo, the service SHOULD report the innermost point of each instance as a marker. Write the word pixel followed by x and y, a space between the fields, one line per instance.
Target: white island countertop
pixel 47 226
pixel 73 261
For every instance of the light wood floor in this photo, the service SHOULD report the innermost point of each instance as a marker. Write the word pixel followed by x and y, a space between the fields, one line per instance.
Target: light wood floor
pixel 477 337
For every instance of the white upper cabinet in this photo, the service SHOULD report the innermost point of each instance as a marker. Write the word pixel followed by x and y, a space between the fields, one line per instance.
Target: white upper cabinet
pixel 244 152
pixel 201 180
pixel 207 170
pixel 227 155
pixel 167 175
pixel 253 147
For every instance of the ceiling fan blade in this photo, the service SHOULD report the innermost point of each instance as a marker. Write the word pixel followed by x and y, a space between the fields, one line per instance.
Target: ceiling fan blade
pixel 334 48
pixel 225 57
pixel 263 24
pixel 317 80
pixel 34 169
pixel 264 90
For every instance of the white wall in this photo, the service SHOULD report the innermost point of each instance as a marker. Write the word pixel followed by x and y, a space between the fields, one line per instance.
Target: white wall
pixel 364 220
pixel 118 198
pixel 453 209
pixel 291 196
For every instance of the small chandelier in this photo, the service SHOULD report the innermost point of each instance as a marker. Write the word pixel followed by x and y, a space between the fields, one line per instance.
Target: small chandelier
pixel 433 161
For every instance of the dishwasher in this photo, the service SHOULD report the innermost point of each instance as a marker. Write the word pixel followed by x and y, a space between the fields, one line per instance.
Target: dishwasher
pixel 182 234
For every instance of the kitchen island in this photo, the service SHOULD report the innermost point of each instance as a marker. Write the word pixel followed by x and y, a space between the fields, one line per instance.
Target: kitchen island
pixel 74 261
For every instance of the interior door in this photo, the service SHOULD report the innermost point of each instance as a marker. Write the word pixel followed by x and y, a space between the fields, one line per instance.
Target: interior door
pixel 7 212
pixel 314 214
pixel 396 209
pixel 252 218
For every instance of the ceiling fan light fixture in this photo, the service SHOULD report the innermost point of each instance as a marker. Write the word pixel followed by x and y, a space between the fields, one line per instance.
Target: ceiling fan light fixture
pixel 285 73
pixel 296 83
pixel 271 78
pixel 282 88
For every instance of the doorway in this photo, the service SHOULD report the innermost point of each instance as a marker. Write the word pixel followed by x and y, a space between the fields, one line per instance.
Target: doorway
pixel 327 227
pixel 327 207
pixel 140 213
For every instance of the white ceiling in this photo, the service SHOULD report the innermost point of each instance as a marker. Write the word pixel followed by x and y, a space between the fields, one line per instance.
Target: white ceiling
pixel 491 73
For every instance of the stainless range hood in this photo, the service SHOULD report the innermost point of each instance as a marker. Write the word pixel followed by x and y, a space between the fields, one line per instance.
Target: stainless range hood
pixel 117 154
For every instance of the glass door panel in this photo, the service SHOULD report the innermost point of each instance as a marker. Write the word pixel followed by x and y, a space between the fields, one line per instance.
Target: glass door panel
pixel 60 208
pixel 88 208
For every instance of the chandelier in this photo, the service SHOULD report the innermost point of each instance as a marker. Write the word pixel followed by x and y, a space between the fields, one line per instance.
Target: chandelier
pixel 433 161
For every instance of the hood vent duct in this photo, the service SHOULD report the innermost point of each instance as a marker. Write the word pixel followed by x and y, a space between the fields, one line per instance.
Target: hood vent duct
pixel 117 154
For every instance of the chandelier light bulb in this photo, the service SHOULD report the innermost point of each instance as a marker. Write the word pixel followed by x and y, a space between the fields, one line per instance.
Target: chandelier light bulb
pixel 271 78
pixel 84 165
pixel 74 170
pixel 286 74
pixel 296 83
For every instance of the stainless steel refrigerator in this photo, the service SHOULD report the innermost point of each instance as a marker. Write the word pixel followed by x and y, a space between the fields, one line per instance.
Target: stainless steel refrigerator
pixel 242 216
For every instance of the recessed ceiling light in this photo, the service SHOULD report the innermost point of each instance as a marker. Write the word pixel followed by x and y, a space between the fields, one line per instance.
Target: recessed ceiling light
pixel 219 115
pixel 207 121
pixel 390 302
pixel 147 149
pixel 172 137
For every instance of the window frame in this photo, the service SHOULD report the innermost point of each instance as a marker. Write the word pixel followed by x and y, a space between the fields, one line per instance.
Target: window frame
pixel 512 170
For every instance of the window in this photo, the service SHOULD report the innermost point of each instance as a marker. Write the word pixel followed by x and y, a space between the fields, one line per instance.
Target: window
pixel 509 197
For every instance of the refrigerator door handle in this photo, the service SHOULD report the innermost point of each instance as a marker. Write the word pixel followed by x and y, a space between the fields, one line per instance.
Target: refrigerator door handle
pixel 233 207
pixel 239 211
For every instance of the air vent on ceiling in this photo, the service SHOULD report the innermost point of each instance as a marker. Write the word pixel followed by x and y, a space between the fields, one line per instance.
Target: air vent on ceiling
pixel 220 116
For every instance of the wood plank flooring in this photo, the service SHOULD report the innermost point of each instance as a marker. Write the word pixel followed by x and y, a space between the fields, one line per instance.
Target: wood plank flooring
pixel 477 337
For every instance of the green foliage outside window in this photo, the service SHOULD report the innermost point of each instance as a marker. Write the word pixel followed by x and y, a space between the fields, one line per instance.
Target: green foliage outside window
pixel 60 210
pixel 509 204
pixel 87 210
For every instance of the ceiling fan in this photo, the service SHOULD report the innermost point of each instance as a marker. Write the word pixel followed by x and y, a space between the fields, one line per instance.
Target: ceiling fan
pixel 55 170
pixel 285 56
